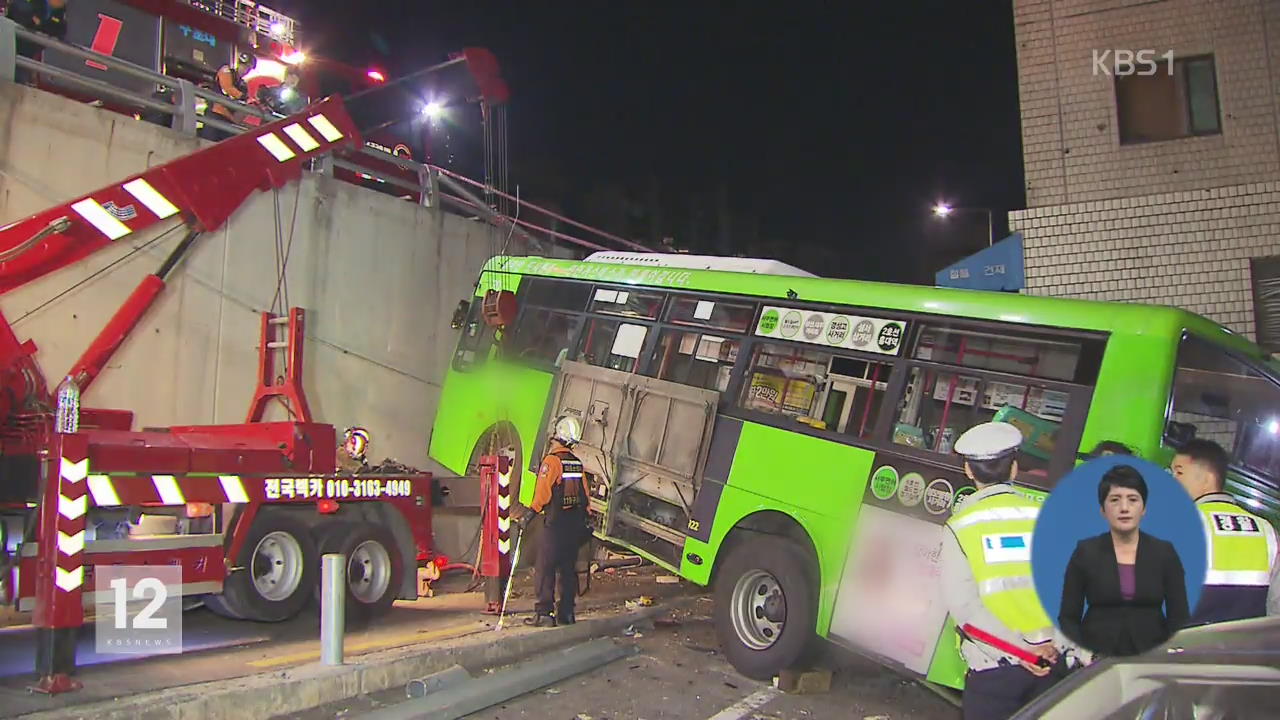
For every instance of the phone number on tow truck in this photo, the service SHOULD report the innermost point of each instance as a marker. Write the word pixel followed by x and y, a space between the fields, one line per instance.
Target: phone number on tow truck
pixel 336 488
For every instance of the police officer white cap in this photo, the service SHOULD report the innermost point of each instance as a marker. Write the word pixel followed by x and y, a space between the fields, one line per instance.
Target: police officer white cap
pixel 988 441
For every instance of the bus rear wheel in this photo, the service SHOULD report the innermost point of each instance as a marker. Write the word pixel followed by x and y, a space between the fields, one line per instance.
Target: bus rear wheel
pixel 765 606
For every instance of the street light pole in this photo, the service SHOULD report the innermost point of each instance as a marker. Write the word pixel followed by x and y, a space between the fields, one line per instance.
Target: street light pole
pixel 944 210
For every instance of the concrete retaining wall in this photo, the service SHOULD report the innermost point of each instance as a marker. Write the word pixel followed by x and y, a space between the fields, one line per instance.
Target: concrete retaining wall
pixel 379 277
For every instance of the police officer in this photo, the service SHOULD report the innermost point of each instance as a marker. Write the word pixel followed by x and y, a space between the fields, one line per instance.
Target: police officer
pixel 560 497
pixel 987 585
pixel 1244 571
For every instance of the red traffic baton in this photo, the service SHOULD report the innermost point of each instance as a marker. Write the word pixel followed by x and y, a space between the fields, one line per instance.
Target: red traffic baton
pixel 997 643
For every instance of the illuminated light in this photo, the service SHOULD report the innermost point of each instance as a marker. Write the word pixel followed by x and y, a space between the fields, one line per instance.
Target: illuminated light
pixel 327 506
pixel 276 147
pixel 326 129
pixel 433 109
pixel 167 486
pixel 277 29
pixel 107 224
pixel 301 137
pixel 103 491
pixel 199 509
pixel 147 195
pixel 1273 427
pixel 68 580
pixel 71 544
pixel 376 76
pixel 264 67
pixel 942 209
pixel 297 57
pixel 233 488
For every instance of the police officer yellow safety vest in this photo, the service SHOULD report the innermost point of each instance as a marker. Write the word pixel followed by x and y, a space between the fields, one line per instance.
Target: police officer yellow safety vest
pixel 995 534
pixel 1242 548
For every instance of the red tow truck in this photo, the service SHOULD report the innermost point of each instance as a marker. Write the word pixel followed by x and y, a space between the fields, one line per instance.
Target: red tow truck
pixel 252 506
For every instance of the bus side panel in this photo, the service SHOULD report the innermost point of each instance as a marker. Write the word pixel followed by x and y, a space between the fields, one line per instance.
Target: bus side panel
pixel 817 483
pixel 473 402
pixel 1129 401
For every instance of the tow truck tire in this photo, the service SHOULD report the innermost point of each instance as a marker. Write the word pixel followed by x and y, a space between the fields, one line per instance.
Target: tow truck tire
pixel 217 605
pixel 278 565
pixel 766 606
pixel 375 567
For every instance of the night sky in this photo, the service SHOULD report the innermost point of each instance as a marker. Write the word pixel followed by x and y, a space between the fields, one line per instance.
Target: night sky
pixel 831 127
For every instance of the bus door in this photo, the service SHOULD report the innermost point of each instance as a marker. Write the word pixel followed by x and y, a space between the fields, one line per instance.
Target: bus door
pixel 645 443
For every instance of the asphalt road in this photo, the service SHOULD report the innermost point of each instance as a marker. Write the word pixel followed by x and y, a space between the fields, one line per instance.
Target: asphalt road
pixel 679 674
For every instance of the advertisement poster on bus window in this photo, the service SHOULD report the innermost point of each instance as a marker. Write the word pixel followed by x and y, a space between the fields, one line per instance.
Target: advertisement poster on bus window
pixel 889 601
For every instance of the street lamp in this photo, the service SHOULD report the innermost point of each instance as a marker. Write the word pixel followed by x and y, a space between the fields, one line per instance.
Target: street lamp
pixel 945 210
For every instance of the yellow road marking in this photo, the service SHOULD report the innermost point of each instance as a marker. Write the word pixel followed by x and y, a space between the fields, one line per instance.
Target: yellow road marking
pixel 445 633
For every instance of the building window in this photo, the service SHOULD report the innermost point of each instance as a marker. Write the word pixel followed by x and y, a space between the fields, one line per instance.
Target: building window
pixel 1177 101
pixel 1266 301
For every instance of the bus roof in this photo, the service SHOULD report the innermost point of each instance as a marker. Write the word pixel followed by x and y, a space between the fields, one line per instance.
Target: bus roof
pixel 1091 315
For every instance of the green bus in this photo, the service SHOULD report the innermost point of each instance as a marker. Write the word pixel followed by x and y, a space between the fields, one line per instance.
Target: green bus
pixel 787 438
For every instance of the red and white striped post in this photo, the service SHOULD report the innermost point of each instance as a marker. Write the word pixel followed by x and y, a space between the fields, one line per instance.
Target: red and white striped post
pixel 495 529
pixel 59 611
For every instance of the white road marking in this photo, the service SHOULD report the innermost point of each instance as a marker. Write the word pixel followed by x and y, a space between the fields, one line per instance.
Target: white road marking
pixel 752 702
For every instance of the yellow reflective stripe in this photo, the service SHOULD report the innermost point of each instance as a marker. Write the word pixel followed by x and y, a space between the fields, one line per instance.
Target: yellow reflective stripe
pixel 234 489
pixel 1238 577
pixel 70 544
pixel 105 222
pixel 158 204
pixel 68 580
pixel 276 147
pixel 167 486
pixel 301 137
pixel 1004 584
pixel 327 129
pixel 993 515
pixel 103 491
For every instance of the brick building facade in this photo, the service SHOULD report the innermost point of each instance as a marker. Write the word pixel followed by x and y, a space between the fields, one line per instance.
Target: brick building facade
pixel 1161 188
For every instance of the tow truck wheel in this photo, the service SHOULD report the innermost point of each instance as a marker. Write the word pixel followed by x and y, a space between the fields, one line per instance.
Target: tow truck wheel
pixel 276 570
pixel 765 606
pixel 375 567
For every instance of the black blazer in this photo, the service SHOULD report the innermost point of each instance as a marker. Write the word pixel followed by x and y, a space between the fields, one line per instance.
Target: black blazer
pixel 1112 625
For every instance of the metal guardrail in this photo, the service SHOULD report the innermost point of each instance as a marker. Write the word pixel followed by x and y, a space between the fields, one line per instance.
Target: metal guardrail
pixel 429 183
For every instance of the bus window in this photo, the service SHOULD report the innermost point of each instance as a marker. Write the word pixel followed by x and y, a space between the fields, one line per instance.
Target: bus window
pixel 612 344
pixel 938 406
pixel 558 294
pixel 816 388
pixel 853 394
pixel 473 345
pixel 544 337
pixel 1032 357
pixel 1236 404
pixel 627 302
pixel 730 317
pixel 691 358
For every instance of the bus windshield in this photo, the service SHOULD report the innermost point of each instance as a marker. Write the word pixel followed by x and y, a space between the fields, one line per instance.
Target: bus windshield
pixel 1222 397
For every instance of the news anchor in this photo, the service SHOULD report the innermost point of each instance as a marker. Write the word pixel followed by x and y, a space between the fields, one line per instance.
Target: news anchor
pixel 1133 582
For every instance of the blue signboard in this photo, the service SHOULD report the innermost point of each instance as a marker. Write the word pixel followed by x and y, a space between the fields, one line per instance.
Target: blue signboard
pixel 998 267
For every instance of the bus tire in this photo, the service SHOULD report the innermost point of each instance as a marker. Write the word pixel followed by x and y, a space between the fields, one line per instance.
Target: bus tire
pixel 765 606
pixel 217 605
pixel 277 568
pixel 375 567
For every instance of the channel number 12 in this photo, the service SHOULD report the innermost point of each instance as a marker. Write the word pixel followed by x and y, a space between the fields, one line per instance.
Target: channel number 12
pixel 143 620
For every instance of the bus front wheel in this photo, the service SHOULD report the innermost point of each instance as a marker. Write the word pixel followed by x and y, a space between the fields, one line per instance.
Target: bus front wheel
pixel 765 606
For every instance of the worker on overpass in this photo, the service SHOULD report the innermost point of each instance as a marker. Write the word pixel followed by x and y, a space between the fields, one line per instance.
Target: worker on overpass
pixel 560 497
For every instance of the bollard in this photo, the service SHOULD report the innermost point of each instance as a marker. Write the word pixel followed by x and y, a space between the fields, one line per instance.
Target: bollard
pixel 333 596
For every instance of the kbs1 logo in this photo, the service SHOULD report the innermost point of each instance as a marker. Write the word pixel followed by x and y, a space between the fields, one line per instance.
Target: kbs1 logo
pixel 1122 63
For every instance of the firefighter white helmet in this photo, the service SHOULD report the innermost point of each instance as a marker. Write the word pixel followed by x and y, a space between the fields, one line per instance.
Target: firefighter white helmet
pixel 568 429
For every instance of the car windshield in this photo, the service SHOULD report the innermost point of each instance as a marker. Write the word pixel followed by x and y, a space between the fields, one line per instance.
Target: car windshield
pixel 1236 402
pixel 1189 699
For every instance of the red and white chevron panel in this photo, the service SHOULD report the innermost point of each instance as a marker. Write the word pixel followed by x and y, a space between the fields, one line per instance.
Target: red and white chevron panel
pixel 112 490
pixel 504 506
pixel 72 506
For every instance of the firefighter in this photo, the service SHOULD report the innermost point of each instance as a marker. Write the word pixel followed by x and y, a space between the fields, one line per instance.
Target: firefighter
pixel 1243 580
pixel 988 585
pixel 560 498
pixel 231 83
